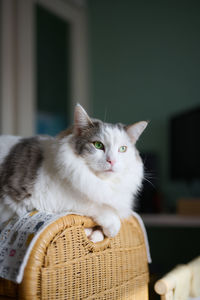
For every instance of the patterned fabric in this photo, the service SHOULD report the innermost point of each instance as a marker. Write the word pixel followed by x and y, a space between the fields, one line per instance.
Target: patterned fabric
pixel 18 236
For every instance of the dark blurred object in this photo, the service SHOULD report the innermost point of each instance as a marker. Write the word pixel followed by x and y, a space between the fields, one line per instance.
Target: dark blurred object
pixel 188 207
pixel 185 146
pixel 152 294
pixel 149 200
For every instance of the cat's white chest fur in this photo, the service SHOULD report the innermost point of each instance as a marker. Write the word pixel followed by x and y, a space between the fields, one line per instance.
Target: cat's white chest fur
pixel 56 194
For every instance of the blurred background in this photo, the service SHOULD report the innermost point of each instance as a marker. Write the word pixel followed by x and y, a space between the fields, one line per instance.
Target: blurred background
pixel 124 61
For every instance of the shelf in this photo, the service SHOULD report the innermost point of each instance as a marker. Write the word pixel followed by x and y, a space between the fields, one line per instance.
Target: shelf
pixel 170 220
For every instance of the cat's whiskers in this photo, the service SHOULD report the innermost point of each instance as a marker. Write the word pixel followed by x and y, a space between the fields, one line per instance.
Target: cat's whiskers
pixel 149 182
pixel 149 175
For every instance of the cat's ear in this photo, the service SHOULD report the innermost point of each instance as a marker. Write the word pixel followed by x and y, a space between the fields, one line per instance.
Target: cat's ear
pixel 81 119
pixel 134 131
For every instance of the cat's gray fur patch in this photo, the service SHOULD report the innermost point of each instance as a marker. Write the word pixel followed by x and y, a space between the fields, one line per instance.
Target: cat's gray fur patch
pixel 83 141
pixel 19 169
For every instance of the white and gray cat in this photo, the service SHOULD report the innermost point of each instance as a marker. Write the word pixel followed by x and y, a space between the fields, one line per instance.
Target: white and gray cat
pixel 93 169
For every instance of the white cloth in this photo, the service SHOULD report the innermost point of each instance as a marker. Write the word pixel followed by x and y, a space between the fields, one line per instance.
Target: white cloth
pixel 145 235
pixel 18 236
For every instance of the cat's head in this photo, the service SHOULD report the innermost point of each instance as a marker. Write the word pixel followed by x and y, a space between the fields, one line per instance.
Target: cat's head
pixel 106 148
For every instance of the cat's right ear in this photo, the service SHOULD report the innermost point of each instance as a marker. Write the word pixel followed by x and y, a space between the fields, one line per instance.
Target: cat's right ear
pixel 81 119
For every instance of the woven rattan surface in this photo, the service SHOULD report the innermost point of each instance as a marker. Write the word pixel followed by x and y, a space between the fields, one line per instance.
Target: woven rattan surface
pixel 65 265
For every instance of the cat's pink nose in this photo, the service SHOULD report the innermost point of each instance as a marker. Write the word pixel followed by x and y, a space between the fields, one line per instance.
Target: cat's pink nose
pixel 111 161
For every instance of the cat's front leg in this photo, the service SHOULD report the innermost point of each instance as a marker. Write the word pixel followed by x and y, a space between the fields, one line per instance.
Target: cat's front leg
pixel 109 221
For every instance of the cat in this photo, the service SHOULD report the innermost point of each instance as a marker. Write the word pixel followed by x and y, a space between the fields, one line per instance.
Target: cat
pixel 92 168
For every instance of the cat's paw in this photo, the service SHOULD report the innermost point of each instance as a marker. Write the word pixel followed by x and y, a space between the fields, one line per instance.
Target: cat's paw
pixel 94 235
pixel 111 226
pixel 97 236
pixel 88 231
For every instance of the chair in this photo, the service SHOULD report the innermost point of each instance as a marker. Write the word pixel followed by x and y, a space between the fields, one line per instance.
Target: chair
pixel 180 283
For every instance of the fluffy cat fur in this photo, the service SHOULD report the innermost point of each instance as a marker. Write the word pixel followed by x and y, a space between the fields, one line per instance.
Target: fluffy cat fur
pixel 69 172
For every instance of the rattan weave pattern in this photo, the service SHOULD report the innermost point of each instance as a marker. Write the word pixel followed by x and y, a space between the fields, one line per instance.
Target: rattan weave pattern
pixel 65 265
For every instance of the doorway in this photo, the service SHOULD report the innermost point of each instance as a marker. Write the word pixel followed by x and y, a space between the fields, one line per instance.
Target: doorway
pixel 44 65
pixel 52 72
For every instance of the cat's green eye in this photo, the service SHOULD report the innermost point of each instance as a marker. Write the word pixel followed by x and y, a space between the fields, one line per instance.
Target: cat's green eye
pixel 122 149
pixel 98 145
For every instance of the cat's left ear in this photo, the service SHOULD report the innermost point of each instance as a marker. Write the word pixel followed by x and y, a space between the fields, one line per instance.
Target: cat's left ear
pixel 81 119
pixel 134 131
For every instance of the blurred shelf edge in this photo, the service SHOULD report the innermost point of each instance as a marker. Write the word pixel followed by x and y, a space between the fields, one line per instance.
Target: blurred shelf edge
pixel 170 220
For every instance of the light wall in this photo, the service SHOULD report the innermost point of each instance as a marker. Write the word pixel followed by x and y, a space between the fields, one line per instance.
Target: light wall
pixel 145 64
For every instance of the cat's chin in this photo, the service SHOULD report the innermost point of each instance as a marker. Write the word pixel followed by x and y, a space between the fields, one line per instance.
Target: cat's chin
pixel 106 174
pixel 109 171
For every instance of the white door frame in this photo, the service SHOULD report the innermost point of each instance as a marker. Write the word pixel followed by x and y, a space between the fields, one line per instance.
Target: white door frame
pixel 18 96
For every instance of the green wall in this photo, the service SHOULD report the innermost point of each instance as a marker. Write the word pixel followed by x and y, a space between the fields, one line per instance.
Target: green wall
pixel 145 64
